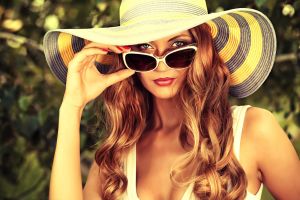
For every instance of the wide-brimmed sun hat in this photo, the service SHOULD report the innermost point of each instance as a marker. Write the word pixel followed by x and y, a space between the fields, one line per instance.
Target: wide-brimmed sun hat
pixel 244 38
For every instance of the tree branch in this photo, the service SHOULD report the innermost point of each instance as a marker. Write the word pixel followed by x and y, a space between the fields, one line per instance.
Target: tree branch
pixel 286 57
pixel 21 40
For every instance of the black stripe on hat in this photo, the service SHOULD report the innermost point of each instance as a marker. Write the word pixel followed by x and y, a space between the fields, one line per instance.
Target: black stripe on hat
pixel 54 58
pixel 242 51
pixel 261 72
pixel 222 36
pixel 77 43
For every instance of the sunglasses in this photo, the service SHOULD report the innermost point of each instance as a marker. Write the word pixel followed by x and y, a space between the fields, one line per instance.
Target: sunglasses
pixel 177 59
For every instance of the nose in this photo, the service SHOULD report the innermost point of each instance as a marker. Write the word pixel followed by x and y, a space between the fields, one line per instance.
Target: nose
pixel 162 67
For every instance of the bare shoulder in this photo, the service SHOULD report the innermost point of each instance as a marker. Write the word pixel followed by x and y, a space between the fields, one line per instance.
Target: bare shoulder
pixel 262 127
pixel 92 186
pixel 260 118
pixel 275 155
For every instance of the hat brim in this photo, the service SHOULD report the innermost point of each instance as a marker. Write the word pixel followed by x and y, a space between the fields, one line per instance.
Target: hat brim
pixel 244 38
pixel 146 31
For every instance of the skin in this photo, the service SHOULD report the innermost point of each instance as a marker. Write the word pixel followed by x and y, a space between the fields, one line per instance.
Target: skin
pixel 167 113
pixel 84 83
pixel 161 142
pixel 266 153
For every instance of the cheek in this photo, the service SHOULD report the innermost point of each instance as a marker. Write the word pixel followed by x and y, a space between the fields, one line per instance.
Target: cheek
pixel 145 80
pixel 182 74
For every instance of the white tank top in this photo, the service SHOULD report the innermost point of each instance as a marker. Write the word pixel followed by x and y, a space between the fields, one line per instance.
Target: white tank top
pixel 238 114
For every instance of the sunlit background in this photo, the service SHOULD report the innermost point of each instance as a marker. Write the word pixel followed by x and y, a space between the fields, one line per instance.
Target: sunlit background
pixel 30 96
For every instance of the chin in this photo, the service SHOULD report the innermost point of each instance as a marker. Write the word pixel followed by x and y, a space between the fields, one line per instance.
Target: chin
pixel 164 96
pixel 163 92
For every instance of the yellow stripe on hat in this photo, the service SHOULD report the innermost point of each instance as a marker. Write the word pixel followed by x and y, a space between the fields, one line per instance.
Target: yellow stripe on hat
pixel 64 43
pixel 255 51
pixel 234 38
pixel 213 29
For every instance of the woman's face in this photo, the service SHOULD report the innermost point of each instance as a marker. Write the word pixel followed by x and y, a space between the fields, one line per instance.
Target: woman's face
pixel 159 48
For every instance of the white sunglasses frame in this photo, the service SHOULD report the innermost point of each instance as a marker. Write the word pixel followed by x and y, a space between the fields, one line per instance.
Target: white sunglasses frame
pixel 161 58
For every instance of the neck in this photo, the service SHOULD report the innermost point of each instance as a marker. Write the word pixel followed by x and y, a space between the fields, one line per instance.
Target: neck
pixel 168 115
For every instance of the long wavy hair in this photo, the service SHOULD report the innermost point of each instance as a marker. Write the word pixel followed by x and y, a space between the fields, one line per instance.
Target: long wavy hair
pixel 125 109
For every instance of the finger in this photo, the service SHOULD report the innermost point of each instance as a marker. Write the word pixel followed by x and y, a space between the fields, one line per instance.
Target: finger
pixel 118 76
pixel 75 65
pixel 119 49
pixel 94 44
pixel 113 48
pixel 104 46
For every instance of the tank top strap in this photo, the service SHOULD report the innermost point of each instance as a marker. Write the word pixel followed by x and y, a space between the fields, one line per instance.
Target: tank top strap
pixel 129 168
pixel 238 115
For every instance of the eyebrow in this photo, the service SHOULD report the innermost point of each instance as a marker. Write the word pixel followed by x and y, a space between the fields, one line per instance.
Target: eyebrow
pixel 173 38
pixel 177 36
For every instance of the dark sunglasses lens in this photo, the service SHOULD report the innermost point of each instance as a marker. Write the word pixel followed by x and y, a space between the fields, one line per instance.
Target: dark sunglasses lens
pixel 140 62
pixel 181 59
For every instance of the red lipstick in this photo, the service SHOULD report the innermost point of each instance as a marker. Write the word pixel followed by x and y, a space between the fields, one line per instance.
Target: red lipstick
pixel 164 81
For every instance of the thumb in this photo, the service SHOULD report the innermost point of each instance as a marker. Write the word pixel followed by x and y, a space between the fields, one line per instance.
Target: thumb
pixel 119 76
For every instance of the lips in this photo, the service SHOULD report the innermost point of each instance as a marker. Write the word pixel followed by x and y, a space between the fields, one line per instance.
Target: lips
pixel 164 81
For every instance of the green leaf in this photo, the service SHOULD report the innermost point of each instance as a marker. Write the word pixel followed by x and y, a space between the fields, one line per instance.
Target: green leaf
pixel 24 102
pixel 42 116
pixel 27 124
pixel 31 180
pixel 260 3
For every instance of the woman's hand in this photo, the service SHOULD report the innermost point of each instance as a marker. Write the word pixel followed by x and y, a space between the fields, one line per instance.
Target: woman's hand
pixel 84 82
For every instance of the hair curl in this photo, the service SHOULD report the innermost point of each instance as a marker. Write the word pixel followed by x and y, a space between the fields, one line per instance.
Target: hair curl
pixel 203 97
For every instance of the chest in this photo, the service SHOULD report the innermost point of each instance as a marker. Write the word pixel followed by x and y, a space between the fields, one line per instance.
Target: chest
pixel 153 168
pixel 153 174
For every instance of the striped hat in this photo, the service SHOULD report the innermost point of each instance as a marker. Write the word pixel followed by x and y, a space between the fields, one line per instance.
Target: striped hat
pixel 244 38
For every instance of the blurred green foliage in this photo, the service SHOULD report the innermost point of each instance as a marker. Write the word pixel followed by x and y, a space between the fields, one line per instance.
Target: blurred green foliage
pixel 30 96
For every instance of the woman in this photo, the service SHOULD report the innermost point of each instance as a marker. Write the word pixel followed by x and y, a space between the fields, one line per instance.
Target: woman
pixel 177 138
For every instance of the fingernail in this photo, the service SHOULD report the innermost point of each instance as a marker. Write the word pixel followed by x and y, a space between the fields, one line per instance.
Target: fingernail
pixel 105 50
pixel 120 48
pixel 126 47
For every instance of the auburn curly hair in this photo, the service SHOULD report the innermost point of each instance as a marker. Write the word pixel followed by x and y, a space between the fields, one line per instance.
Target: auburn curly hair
pixel 125 109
